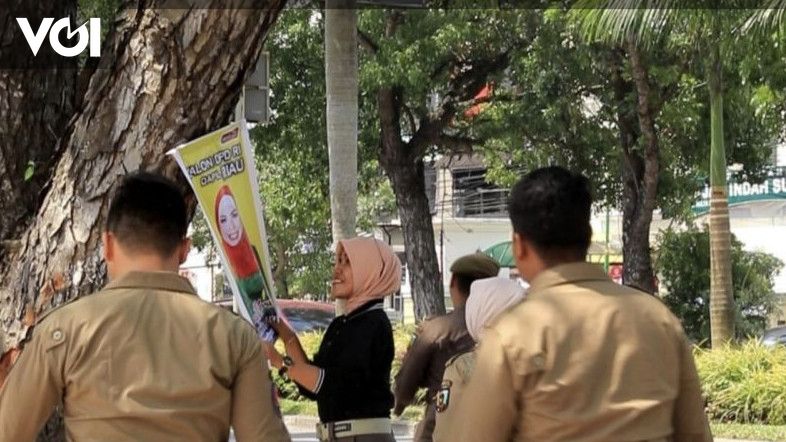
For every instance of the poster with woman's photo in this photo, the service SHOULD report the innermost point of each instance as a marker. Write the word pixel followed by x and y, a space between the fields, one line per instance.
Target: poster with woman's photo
pixel 220 168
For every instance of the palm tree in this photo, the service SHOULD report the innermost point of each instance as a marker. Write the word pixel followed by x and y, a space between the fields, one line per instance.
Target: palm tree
pixel 341 81
pixel 769 17
pixel 646 23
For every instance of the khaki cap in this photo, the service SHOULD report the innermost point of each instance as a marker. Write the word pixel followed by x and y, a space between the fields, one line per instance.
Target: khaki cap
pixel 477 265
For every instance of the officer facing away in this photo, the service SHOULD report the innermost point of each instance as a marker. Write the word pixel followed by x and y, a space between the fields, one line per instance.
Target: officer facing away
pixel 145 358
pixel 583 358
pixel 439 339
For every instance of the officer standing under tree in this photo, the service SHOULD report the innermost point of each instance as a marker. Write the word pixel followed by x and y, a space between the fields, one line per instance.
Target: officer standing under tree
pixel 145 358
pixel 488 298
pixel 438 339
pixel 583 358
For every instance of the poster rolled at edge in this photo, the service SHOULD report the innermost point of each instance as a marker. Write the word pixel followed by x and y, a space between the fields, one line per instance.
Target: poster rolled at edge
pixel 211 145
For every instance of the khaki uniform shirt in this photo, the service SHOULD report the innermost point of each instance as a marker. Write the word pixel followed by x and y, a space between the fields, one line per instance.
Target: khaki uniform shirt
pixel 143 359
pixel 457 374
pixel 583 360
pixel 438 339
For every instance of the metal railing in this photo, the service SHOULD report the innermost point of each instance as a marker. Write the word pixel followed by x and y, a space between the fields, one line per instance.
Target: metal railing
pixel 481 203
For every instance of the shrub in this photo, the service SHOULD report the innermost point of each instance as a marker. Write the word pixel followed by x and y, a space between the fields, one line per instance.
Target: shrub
pixel 683 265
pixel 288 390
pixel 744 384
pixel 402 337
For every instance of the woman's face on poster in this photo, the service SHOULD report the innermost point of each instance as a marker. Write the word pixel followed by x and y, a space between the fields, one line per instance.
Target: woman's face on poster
pixel 229 221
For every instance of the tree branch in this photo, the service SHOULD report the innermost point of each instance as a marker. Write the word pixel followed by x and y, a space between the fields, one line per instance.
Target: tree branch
pixel 367 43
pixel 394 19
pixel 389 108
pixel 455 144
pixel 411 119
pixel 647 126
pixel 462 87
pixel 627 130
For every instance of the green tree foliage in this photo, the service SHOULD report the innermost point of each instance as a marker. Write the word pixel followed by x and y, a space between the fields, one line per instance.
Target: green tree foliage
pixel 561 109
pixel 580 103
pixel 292 162
pixel 683 265
pixel 554 102
pixel 714 33
pixel 292 157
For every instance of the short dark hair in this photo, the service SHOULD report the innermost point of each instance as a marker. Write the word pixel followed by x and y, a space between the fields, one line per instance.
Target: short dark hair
pixel 464 281
pixel 148 212
pixel 551 208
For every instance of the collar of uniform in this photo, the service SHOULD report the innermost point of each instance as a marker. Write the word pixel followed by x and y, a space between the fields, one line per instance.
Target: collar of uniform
pixel 155 280
pixel 374 304
pixel 568 273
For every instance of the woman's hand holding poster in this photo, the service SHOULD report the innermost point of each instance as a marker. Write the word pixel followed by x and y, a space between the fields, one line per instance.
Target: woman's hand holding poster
pixel 220 168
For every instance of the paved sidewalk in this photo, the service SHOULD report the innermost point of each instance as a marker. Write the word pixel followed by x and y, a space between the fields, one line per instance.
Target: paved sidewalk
pixel 305 424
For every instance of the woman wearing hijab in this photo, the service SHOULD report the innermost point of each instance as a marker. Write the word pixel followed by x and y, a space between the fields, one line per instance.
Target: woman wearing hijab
pixel 349 376
pixel 488 298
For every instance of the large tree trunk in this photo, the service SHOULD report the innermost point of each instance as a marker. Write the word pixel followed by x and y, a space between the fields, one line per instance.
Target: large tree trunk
pixel 341 83
pixel 640 184
pixel 404 166
pixel 35 107
pixel 173 75
pixel 721 295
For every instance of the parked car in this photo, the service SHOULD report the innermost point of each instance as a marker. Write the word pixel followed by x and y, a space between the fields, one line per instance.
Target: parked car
pixel 306 316
pixel 774 336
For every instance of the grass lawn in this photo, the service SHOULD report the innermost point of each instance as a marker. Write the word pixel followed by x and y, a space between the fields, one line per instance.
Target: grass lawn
pixel 304 408
pixel 731 431
pixel 750 431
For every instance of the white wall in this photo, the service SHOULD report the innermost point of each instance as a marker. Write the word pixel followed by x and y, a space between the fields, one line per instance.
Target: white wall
pixel 198 273
pixel 466 235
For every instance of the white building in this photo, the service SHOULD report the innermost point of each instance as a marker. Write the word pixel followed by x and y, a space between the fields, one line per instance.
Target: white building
pixel 469 214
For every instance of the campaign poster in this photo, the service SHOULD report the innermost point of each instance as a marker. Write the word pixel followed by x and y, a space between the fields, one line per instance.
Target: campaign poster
pixel 220 168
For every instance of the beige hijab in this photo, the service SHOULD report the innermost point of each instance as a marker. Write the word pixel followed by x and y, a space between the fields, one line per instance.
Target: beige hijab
pixel 376 270
pixel 488 298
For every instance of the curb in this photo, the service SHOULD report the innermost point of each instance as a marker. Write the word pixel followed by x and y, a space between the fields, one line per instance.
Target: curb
pixel 400 427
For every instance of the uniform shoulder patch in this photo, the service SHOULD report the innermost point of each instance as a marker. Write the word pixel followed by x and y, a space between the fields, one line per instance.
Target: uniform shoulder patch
pixel 443 396
pixel 53 334
pixel 452 359
pixel 465 364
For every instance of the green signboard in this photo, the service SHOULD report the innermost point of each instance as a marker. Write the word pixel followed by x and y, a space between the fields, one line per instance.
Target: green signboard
pixel 773 188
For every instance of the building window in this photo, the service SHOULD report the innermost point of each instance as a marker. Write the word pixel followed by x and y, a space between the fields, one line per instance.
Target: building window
pixel 473 197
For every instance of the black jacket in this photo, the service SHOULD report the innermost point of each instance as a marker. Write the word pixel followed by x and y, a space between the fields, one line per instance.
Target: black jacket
pixel 355 357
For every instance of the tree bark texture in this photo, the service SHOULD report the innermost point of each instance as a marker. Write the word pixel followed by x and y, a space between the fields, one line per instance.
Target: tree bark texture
pixel 721 292
pixel 640 177
pixel 404 166
pixel 341 87
pixel 341 82
pixel 35 107
pixel 172 75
